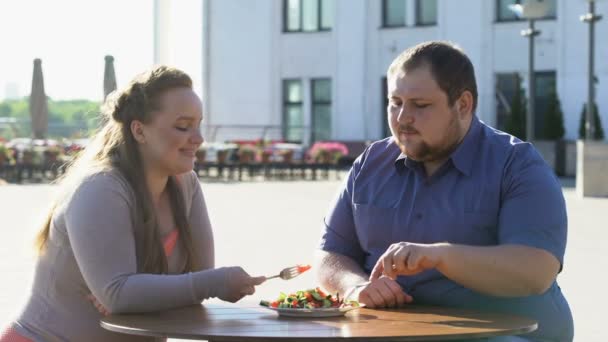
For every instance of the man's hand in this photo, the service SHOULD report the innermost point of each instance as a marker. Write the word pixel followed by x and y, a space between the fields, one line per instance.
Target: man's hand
pixel 381 293
pixel 406 258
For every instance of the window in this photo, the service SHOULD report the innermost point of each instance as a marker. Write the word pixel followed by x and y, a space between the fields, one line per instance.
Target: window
pixel 386 130
pixel 507 85
pixel 503 13
pixel 393 13
pixel 308 15
pixel 426 12
pixel 321 109
pixel 545 87
pixel 293 118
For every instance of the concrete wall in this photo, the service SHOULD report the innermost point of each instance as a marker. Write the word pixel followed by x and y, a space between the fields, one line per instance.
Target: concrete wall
pixel 592 169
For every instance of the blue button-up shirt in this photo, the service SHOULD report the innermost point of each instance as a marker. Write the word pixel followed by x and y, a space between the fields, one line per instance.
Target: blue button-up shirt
pixel 494 189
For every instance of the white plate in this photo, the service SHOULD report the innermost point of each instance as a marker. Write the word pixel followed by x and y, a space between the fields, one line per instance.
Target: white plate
pixel 318 312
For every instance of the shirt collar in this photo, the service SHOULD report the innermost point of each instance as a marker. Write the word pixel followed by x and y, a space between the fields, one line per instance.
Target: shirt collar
pixel 462 157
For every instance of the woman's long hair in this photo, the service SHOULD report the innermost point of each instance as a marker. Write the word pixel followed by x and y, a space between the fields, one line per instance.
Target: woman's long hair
pixel 113 147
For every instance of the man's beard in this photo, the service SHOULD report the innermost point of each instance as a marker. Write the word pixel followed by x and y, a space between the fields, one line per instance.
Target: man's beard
pixel 423 152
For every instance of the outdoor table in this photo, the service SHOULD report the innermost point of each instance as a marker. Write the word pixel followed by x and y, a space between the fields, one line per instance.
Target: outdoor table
pixel 250 322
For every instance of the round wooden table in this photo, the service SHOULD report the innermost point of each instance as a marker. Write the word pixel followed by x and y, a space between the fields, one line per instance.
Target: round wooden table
pixel 249 322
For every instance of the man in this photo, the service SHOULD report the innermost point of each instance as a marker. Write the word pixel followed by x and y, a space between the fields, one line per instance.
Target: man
pixel 448 211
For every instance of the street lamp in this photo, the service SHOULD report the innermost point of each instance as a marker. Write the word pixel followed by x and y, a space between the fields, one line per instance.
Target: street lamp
pixel 591 18
pixel 530 10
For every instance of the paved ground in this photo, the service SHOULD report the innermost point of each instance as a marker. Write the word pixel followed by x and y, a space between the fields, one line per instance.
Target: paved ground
pixel 278 224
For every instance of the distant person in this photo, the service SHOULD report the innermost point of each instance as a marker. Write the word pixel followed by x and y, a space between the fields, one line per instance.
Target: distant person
pixel 448 211
pixel 130 232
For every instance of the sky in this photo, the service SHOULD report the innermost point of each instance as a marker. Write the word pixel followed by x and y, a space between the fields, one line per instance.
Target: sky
pixel 73 36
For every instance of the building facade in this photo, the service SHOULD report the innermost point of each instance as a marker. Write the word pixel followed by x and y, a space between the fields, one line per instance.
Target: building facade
pixel 307 70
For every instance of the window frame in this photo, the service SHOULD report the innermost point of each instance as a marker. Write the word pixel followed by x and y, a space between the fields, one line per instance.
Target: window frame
pixel 384 16
pixel 285 104
pixel 319 26
pixel 385 124
pixel 498 19
pixel 419 14
pixel 314 103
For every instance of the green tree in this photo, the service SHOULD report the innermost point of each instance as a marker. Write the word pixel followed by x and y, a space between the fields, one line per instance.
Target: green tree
pixel 554 119
pixel 516 122
pixel 69 117
pixel 582 131
pixel 5 109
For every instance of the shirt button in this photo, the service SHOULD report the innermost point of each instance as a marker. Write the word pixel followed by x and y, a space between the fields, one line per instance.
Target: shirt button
pixel 419 216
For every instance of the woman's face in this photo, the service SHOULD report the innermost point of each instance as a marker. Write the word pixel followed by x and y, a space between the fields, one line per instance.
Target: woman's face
pixel 173 135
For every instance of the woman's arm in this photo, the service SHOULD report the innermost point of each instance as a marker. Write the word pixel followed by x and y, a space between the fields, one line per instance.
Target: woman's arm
pixel 99 226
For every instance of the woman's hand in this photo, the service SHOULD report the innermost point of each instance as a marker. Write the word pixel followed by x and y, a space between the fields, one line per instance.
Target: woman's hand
pixel 238 284
pixel 98 305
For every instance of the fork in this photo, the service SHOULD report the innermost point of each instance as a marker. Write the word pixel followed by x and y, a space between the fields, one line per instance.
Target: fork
pixel 289 273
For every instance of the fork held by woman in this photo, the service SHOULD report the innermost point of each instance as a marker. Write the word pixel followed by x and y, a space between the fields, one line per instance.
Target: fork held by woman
pixel 291 272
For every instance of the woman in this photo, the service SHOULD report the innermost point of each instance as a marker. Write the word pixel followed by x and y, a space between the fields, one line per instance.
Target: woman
pixel 130 232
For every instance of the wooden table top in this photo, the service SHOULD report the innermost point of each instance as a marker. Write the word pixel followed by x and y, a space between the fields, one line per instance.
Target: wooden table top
pixel 249 322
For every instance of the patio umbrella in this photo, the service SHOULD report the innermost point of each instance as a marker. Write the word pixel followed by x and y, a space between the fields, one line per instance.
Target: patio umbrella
pixel 109 77
pixel 39 111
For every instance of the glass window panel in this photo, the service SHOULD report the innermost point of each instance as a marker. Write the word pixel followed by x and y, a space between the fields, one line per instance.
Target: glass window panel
pixel 507 85
pixel 321 90
pixel 293 91
pixel 552 12
pixel 294 120
pixel 293 15
pixel 426 12
pixel 327 14
pixel 394 13
pixel 310 12
pixel 545 85
pixel 386 130
pixel 322 122
pixel 503 12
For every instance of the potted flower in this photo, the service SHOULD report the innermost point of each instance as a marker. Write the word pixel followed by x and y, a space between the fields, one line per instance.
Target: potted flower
pixel 287 156
pixel 246 153
pixel 200 155
pixel 265 156
pixel 51 154
pixel 5 155
pixel 27 156
pixel 327 152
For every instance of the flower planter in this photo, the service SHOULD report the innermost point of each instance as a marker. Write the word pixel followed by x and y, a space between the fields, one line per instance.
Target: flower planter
pixel 221 156
pixel 266 157
pixel 287 156
pixel 200 156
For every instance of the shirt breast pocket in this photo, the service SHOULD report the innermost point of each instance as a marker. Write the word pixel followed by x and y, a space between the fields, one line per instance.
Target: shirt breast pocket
pixel 374 226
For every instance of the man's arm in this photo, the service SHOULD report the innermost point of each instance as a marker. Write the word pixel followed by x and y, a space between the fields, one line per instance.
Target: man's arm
pixel 337 272
pixel 504 271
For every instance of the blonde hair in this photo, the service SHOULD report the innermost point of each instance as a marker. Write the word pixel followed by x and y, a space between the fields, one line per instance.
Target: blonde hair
pixel 113 147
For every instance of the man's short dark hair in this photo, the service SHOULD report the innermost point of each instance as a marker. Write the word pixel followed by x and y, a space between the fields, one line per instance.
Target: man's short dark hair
pixel 450 67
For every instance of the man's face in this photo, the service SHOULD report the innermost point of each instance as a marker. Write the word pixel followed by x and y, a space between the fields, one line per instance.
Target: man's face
pixel 424 126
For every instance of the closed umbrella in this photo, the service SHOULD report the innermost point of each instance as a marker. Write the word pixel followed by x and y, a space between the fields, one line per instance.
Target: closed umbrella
pixel 39 111
pixel 109 77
